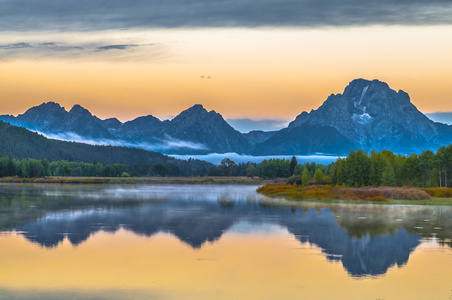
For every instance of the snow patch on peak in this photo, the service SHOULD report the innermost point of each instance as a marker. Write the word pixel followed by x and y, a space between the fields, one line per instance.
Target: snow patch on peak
pixel 362 96
pixel 363 119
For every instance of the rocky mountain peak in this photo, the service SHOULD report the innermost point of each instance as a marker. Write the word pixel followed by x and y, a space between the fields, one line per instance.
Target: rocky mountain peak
pixel 79 111
pixel 372 115
pixel 46 108
pixel 362 102
pixel 195 109
pixel 142 122
pixel 356 87
pixel 195 114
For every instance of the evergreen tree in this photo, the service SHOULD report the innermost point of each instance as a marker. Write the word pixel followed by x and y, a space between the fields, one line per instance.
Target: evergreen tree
pixel 340 172
pixel 10 169
pixel 250 171
pixel 293 164
pixel 298 170
pixel 159 169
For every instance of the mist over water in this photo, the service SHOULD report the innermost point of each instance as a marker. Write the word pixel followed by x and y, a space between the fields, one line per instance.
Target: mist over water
pixel 170 144
pixel 163 145
pixel 216 158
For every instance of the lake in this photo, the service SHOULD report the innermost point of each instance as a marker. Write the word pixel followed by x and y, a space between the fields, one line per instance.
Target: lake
pixel 215 242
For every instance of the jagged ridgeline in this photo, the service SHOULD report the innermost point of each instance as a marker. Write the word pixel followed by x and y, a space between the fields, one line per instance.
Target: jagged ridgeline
pixel 367 115
pixel 22 143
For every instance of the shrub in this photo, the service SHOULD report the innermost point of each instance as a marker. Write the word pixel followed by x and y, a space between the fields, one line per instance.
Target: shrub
pixel 379 198
pixel 294 180
pixel 441 193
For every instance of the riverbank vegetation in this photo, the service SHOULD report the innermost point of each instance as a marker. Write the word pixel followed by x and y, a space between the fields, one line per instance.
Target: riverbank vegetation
pixel 360 168
pixel 328 193
pixel 361 176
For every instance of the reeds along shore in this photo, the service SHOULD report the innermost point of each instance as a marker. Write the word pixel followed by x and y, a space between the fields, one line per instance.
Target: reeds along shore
pixel 369 194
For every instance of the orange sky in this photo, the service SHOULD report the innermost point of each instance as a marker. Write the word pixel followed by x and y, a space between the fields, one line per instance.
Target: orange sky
pixel 256 73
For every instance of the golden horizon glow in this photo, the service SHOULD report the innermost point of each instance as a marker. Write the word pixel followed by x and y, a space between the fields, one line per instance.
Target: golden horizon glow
pixel 256 73
pixel 257 266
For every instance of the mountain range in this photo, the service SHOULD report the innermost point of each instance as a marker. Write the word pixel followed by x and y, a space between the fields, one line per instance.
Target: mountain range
pixel 367 115
pixel 22 143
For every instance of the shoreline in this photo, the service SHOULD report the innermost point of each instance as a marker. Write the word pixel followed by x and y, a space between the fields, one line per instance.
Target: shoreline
pixel 137 180
pixel 287 194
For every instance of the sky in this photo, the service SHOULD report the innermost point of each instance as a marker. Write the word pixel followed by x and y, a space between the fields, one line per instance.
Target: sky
pixel 258 61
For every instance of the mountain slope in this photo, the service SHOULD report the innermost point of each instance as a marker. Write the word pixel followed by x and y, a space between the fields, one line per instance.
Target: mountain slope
pixel 21 143
pixel 209 129
pixel 368 115
pixel 51 118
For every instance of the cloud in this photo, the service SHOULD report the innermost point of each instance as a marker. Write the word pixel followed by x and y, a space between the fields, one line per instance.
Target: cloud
pixel 75 15
pixel 163 145
pixel 441 117
pixel 73 49
pixel 15 46
pixel 114 47
pixel 246 125
pixel 216 158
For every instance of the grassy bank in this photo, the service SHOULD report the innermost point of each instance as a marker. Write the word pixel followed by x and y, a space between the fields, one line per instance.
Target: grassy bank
pixel 328 193
pixel 137 180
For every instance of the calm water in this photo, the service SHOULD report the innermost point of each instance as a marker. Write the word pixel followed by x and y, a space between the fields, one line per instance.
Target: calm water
pixel 215 242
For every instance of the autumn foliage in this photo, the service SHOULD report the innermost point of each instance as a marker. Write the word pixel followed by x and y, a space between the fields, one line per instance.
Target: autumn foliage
pixel 327 192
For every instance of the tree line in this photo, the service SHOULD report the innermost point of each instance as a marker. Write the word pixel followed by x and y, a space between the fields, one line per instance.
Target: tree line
pixel 34 168
pixel 359 168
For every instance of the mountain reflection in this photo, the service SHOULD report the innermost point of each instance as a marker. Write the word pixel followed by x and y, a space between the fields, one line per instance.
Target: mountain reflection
pixel 367 240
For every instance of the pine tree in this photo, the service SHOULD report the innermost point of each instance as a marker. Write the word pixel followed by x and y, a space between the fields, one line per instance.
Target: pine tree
pixel 298 170
pixel 251 171
pixel 293 164
pixel 10 166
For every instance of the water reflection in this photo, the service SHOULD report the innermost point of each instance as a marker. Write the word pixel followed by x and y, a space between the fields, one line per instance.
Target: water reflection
pixel 367 240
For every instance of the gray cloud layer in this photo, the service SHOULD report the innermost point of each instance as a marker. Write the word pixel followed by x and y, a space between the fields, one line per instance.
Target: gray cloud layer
pixel 441 117
pixel 115 47
pixel 94 50
pixel 25 15
pixel 246 125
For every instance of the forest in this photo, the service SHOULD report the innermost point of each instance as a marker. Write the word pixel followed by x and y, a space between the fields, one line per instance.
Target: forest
pixel 36 168
pixel 359 168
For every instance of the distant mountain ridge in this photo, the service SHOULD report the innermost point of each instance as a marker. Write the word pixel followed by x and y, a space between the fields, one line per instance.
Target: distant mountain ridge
pixel 194 131
pixel 367 115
